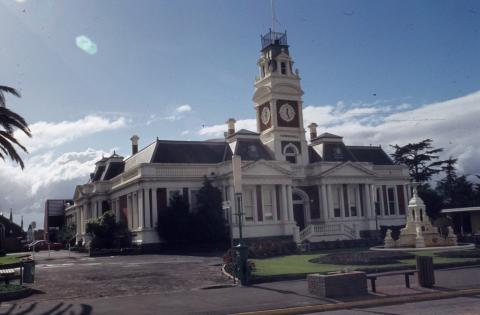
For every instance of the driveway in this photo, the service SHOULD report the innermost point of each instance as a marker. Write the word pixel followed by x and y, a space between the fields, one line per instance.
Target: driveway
pixel 61 275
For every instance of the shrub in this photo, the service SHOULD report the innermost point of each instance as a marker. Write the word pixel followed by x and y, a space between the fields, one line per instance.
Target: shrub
pixel 362 258
pixel 106 233
pixel 460 254
pixel 271 248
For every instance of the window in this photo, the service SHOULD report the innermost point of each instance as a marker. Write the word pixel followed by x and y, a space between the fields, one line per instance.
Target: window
pixel 291 154
pixel 336 202
pixel 391 200
pixel 268 203
pixel 283 68
pixel 248 204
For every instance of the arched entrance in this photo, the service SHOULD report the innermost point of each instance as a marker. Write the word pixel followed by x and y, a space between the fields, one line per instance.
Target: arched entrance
pixel 301 209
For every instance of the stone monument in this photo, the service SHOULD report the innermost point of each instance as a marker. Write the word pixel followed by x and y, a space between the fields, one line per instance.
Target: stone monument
pixel 419 231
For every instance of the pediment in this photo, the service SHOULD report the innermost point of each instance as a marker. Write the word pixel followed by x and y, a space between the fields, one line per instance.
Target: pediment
pixel 263 168
pixel 348 169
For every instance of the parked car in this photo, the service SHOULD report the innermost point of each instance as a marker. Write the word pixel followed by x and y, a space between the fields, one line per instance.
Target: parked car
pixel 43 245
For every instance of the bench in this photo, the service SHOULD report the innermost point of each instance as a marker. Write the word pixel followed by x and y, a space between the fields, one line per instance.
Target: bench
pixel 9 272
pixel 407 273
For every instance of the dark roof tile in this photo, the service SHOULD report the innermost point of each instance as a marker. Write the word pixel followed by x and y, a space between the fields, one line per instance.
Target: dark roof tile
pixel 252 150
pixel 374 155
pixel 201 152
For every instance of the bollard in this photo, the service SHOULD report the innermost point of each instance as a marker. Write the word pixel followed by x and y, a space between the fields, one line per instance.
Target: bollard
pixel 425 269
pixel 242 264
pixel 28 275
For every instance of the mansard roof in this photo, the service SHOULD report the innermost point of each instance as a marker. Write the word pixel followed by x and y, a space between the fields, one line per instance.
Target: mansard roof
pixel 313 156
pixel 372 154
pixel 339 152
pixel 113 169
pixel 252 150
pixel 201 152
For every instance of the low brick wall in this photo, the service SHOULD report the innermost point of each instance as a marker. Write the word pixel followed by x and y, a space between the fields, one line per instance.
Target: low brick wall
pixel 338 285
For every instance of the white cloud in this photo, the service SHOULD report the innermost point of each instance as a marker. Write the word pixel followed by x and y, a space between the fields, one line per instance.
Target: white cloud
pixel 178 114
pixel 453 125
pixel 185 132
pixel 48 174
pixel 184 108
pixel 53 134
pixel 218 130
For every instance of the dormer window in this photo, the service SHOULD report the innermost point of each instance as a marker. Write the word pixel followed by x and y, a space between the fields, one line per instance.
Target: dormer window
pixel 291 153
pixel 283 68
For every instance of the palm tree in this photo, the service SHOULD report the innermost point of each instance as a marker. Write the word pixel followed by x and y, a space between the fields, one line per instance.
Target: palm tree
pixel 9 121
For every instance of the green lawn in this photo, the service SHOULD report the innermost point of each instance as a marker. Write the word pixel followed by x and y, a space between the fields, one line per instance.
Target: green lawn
pixel 299 264
pixel 9 259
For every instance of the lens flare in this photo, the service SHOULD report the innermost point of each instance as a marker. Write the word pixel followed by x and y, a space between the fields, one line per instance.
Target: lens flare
pixel 86 44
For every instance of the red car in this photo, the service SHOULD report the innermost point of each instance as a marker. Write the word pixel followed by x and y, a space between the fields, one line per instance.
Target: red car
pixel 43 245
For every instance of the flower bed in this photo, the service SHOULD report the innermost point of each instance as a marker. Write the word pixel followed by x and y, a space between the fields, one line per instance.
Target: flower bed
pixel 363 258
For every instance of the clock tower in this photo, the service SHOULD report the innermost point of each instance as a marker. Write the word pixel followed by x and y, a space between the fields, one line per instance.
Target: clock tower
pixel 278 101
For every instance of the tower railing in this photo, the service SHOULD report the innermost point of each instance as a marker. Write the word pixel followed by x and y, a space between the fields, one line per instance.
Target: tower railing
pixel 272 38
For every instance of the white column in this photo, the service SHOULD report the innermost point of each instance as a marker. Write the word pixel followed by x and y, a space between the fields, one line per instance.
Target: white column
pixel 358 202
pixel 274 203
pixel 146 209
pixel 342 202
pixel 405 198
pixel 141 209
pixel 381 201
pixel 290 203
pixel 129 211
pixel 154 207
pixel 368 201
pixel 284 203
pixel 254 207
pixel 330 201
pixel 323 194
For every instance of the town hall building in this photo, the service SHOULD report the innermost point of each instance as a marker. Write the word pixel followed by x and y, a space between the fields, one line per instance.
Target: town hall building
pixel 322 189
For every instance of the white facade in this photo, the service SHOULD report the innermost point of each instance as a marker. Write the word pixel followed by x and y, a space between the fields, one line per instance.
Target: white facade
pixel 323 190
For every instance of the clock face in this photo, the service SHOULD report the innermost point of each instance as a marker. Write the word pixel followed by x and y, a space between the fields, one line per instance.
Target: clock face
pixel 265 115
pixel 287 112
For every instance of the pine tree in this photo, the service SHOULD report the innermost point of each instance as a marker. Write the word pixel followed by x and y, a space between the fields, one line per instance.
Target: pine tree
pixel 210 224
pixel 421 159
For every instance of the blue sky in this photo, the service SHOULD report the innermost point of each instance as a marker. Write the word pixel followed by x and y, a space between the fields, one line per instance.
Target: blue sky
pixel 361 63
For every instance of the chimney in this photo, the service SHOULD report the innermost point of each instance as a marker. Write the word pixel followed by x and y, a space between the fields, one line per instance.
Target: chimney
pixel 313 130
pixel 231 126
pixel 134 140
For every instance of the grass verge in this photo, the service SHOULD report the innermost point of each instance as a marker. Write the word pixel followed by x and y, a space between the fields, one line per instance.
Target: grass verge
pixel 9 259
pixel 297 265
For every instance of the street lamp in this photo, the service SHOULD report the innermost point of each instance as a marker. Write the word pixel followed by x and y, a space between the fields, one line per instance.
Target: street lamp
pixel 242 249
